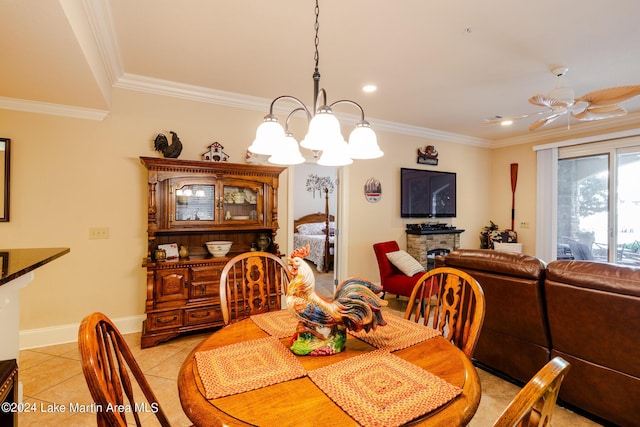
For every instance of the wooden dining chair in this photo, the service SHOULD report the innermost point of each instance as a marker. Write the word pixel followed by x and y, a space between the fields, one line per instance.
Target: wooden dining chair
pixel 252 283
pixel 452 302
pixel 112 373
pixel 534 404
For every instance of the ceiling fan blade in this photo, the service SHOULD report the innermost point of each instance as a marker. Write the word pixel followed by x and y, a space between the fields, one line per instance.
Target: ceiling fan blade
pixel 610 96
pixel 544 121
pixel 546 101
pixel 503 119
pixel 598 113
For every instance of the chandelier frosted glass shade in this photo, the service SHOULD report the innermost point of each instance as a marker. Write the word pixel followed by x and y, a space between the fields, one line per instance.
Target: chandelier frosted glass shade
pixel 267 136
pixel 287 152
pixel 324 130
pixel 335 154
pixel 363 143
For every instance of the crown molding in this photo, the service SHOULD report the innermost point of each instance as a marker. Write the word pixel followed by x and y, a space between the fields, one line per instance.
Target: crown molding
pixel 52 109
pixel 92 24
pixel 190 92
pixel 230 99
pixel 598 127
pixel 427 133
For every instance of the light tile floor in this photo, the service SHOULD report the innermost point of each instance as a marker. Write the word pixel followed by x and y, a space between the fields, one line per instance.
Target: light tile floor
pixel 52 380
pixel 53 376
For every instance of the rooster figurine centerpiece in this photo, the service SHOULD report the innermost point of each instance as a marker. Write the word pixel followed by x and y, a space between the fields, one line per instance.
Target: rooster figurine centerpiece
pixel 322 323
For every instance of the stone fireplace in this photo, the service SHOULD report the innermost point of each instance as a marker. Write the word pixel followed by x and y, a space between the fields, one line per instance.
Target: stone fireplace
pixel 424 245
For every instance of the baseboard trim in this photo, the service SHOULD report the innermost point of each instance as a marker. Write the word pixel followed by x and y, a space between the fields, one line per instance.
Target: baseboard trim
pixel 62 334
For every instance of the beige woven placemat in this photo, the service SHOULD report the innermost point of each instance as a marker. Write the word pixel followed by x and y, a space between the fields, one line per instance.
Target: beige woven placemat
pixel 245 366
pixel 280 324
pixel 380 389
pixel 397 334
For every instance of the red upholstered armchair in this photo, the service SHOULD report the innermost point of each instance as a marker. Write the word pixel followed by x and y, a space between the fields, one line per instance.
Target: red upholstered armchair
pixel 391 278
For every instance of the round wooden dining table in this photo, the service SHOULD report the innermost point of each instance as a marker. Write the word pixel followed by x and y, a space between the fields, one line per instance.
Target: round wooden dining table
pixel 299 402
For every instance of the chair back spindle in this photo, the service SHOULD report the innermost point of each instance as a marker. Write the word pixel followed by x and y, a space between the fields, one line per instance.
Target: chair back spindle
pixel 252 283
pixel 533 406
pixel 111 371
pixel 452 302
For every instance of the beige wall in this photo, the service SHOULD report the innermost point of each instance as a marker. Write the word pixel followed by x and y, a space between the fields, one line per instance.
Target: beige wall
pixel 70 174
pixel 376 222
pixel 525 195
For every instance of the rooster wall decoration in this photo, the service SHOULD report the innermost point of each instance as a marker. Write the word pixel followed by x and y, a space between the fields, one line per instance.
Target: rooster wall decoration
pixel 322 323
pixel 172 150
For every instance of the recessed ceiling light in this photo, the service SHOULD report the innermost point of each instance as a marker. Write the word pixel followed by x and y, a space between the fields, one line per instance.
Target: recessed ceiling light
pixel 506 122
pixel 369 88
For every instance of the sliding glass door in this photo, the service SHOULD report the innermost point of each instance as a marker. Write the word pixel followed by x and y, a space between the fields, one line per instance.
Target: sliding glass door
pixel 599 204
pixel 627 236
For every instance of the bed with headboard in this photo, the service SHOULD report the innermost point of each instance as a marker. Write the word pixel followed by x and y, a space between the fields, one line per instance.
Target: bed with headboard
pixel 316 230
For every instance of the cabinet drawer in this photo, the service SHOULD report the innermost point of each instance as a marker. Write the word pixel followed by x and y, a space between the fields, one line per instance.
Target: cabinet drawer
pixel 197 316
pixel 206 273
pixel 200 290
pixel 164 320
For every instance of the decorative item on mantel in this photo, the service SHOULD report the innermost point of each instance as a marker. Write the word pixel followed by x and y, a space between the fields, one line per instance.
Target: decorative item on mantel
pixel 215 153
pixel 322 323
pixel 172 150
pixel 428 156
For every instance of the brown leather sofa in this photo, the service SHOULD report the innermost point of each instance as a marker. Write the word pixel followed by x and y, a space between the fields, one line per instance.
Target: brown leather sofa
pixel 593 311
pixel 515 336
pixel 586 312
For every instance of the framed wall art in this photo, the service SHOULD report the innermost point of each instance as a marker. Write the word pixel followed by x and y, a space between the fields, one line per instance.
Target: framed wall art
pixel 372 190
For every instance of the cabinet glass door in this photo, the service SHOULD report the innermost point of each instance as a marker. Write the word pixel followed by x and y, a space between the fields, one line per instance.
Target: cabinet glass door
pixel 192 203
pixel 243 202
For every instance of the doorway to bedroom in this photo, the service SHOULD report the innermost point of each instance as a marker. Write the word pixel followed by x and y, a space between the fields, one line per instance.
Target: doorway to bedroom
pixel 315 196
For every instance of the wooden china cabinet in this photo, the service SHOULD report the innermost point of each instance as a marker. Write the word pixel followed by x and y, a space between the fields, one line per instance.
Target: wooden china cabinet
pixel 190 203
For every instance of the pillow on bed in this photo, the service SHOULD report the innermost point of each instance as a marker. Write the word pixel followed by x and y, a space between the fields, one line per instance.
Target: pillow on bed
pixel 311 228
pixel 405 262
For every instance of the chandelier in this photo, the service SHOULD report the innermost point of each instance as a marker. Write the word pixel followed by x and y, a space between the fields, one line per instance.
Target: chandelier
pixel 323 133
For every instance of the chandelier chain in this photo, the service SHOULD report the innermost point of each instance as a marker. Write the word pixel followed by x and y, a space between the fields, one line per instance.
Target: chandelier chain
pixel 317 39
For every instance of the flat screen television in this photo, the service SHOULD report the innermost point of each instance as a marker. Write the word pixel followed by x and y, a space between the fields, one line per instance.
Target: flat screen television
pixel 427 194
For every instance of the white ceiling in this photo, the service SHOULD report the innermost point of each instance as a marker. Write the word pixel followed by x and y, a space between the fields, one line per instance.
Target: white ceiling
pixel 441 67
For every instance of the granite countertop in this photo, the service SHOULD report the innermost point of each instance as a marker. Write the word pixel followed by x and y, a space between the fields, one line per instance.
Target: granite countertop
pixel 17 262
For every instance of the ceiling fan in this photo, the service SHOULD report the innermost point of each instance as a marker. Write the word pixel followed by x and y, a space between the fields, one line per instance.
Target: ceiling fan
pixel 596 105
